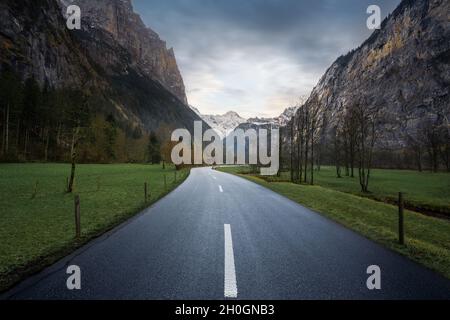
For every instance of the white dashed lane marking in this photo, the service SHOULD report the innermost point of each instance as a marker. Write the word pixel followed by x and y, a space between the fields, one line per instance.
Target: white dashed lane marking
pixel 230 270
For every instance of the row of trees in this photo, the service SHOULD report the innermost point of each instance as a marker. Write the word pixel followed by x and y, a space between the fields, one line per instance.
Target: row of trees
pixel 37 121
pixel 43 124
pixel 430 143
pixel 354 137
pixel 351 142
pixel 303 133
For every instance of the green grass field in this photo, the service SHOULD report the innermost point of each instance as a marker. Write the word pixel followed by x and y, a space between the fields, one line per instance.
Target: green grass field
pixel 37 230
pixel 427 238
pixel 424 190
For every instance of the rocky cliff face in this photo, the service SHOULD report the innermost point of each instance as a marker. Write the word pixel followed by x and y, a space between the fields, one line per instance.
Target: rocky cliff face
pixel 147 51
pixel 35 41
pixel 403 70
pixel 114 55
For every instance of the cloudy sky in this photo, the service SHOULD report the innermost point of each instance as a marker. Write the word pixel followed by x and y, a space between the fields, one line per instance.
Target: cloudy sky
pixel 256 57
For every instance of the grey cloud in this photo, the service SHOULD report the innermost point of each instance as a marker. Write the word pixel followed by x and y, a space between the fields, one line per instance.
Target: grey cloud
pixel 311 34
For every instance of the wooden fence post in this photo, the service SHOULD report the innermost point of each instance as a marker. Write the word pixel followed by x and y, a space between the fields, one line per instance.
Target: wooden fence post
pixel 77 217
pixel 35 190
pixel 401 231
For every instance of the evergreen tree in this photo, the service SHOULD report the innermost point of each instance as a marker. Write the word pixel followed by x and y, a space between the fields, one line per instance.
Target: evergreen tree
pixel 154 149
pixel 111 136
pixel 10 102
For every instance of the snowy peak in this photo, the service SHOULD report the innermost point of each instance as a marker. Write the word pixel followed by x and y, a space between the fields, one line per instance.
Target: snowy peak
pixel 226 123
pixel 232 114
pixel 223 124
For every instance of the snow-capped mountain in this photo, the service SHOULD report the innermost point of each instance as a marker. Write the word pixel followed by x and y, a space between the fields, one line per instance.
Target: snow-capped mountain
pixel 224 124
pixel 279 121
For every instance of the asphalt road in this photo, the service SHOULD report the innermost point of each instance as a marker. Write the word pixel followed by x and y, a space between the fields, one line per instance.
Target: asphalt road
pixel 219 237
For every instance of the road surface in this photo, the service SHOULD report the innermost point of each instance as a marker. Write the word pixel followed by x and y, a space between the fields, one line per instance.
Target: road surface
pixel 219 236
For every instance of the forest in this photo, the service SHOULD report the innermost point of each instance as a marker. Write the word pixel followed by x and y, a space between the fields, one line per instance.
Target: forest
pixel 44 124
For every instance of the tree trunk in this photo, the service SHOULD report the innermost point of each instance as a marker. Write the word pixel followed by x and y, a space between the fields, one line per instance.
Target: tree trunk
pixel 312 159
pixel 291 151
pixel 352 151
pixel 58 135
pixel 280 145
pixel 7 130
pixel 3 137
pixel 301 160
pixel 73 156
pixel 318 156
pixel 17 137
pixel 72 175
pixel 446 156
pixel 419 160
pixel 46 144
pixel 306 160
pixel 299 155
pixel 352 162
pixel 433 159
pixel 337 157
pixel 362 178
pixel 346 155
pixel 26 144
pixel 306 138
pixel 363 155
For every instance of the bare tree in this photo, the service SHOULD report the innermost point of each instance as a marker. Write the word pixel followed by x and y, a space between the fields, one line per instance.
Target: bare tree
pixel 280 144
pixel 73 157
pixel 349 132
pixel 291 150
pixel 314 118
pixel 337 150
pixel 416 147
pixel 307 133
pixel 300 141
pixel 78 116
pixel 445 148
pixel 367 118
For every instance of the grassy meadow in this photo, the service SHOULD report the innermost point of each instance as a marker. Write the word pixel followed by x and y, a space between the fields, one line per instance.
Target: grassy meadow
pixel 422 190
pixel 37 215
pixel 427 238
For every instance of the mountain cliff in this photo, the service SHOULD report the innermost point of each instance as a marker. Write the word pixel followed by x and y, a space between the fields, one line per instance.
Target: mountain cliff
pixel 147 51
pixel 114 55
pixel 402 70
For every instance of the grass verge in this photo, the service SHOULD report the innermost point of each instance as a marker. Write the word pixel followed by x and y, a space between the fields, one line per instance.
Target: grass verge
pixel 424 191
